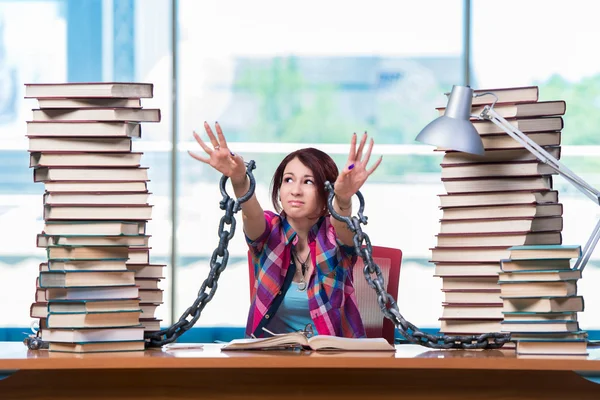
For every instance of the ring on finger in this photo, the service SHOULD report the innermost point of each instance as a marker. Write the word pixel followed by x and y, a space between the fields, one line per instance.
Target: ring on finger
pixel 217 147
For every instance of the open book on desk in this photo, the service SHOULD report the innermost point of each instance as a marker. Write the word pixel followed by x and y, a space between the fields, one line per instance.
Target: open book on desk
pixel 318 343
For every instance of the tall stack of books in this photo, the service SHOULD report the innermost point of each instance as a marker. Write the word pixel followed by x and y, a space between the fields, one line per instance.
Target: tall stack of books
pixel 540 303
pixel 501 199
pixel 97 291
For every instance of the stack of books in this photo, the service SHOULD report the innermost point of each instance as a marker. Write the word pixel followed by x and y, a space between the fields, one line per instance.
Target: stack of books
pixel 538 288
pixel 501 199
pixel 97 291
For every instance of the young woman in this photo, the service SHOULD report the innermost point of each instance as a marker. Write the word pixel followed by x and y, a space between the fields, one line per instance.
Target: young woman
pixel 303 257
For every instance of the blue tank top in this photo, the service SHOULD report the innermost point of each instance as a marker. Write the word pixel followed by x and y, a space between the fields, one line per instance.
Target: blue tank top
pixel 292 314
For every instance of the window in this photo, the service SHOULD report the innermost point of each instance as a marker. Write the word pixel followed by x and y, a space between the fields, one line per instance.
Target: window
pixel 278 79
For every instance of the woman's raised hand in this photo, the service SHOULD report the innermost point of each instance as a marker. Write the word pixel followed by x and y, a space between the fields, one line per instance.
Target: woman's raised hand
pixel 355 172
pixel 220 157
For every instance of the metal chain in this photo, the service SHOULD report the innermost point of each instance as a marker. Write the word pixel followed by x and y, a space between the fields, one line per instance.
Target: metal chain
pixel 34 341
pixel 231 206
pixel 388 305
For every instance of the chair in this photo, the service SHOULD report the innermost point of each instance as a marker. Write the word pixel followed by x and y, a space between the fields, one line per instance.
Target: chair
pixel 389 261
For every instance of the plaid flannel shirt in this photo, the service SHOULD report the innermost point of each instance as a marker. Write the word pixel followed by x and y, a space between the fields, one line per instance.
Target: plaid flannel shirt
pixel 331 299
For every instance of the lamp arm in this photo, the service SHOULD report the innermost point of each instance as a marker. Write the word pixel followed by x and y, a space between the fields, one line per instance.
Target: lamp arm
pixel 490 114
pixel 588 249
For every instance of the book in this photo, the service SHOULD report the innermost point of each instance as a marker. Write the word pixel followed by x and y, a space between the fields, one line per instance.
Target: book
pixel 471 254
pixel 150 324
pixel 535 264
pixel 497 170
pixel 499 141
pixel 108 319
pixel 538 289
pixel 539 316
pixel 540 326
pixel 505 225
pixel 520 110
pixel 139 255
pixel 495 156
pixel 505 211
pixel 44 240
pixel 88 103
pixel 544 252
pixel 87 252
pixel 147 270
pixel 97 347
pixel 93 335
pixel 94 227
pixel 462 311
pixel 147 283
pixel 547 124
pixel 83 128
pixel 58 174
pixel 93 293
pixel 317 343
pixel 58 159
pixel 497 198
pixel 97 212
pixel 470 283
pixel 39 309
pixel 89 198
pixel 64 279
pixel 540 275
pixel 89 90
pixel 95 186
pixel 82 306
pixel 466 269
pixel 544 304
pixel 151 295
pixel 469 326
pixel 460 185
pixel 554 347
pixel 98 114
pixel 149 309
pixel 485 296
pixel 552 336
pixel 95 265
pixel 497 239
pixel 71 144
pixel 522 94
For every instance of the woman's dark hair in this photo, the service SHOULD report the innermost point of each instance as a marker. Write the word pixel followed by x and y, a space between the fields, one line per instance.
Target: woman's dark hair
pixel 322 166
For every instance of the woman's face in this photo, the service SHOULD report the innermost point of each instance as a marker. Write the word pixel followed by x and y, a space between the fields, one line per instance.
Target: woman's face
pixel 298 192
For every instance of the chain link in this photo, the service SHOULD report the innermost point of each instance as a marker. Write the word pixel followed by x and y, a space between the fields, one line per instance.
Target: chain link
pixel 388 305
pixel 192 314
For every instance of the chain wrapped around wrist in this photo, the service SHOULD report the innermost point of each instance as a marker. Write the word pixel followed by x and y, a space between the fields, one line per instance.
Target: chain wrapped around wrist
pixel 337 201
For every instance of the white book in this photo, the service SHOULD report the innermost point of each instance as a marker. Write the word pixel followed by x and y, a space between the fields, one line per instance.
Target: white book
pixel 98 114
pixel 89 90
pixel 88 103
pixel 44 174
pixel 83 128
pixel 61 159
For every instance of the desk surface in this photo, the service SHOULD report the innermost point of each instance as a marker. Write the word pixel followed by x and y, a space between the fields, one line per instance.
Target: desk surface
pixel 16 356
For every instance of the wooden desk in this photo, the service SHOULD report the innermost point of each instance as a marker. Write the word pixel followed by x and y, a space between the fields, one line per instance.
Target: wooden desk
pixel 413 372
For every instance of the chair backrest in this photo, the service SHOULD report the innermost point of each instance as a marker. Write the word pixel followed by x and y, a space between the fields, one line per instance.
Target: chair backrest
pixel 389 261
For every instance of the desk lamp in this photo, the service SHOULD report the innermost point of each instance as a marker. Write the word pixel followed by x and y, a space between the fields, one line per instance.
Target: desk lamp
pixel 455 131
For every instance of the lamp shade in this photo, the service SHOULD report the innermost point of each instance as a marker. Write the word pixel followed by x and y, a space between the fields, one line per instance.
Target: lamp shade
pixel 454 129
